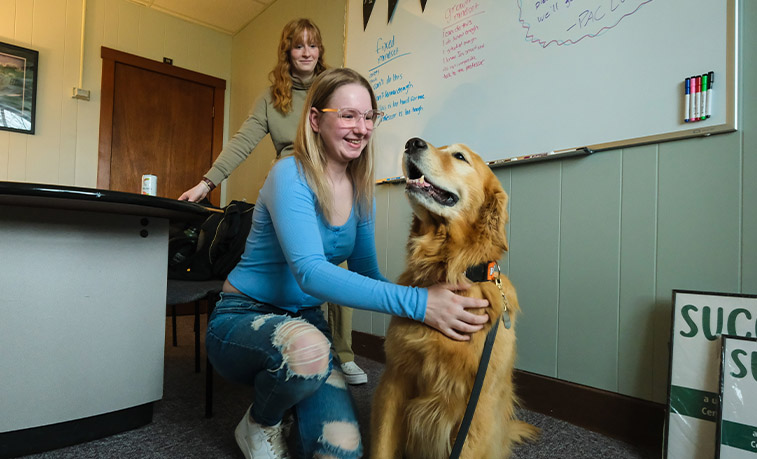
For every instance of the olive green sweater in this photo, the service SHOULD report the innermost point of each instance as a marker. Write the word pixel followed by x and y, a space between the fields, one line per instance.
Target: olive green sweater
pixel 264 119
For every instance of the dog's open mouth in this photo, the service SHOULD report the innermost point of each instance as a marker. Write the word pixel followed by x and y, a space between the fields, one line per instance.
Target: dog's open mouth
pixel 416 182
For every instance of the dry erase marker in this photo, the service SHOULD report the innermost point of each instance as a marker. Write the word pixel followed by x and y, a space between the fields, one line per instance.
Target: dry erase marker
pixel 687 99
pixel 703 115
pixel 693 113
pixel 698 111
pixel 699 96
pixel 691 90
pixel 700 107
pixel 711 77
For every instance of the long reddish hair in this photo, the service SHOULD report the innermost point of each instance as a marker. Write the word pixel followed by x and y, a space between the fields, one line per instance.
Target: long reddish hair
pixel 281 77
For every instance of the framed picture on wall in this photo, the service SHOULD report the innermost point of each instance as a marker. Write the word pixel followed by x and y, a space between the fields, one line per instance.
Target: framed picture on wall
pixel 18 88
pixel 699 321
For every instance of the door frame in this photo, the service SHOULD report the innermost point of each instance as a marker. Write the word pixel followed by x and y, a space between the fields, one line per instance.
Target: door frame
pixel 110 57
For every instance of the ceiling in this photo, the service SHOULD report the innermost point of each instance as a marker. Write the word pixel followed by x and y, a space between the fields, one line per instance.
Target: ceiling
pixel 227 16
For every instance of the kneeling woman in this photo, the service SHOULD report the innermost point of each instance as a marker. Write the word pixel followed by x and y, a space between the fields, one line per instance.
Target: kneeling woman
pixel 315 210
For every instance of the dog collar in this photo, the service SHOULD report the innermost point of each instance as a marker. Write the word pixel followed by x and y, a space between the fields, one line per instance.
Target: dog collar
pixel 483 272
pixel 486 272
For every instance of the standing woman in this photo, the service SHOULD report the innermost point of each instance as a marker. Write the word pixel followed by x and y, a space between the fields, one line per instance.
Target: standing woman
pixel 277 112
pixel 315 211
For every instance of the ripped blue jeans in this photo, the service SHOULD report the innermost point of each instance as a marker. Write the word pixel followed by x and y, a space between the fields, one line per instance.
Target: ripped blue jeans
pixel 256 344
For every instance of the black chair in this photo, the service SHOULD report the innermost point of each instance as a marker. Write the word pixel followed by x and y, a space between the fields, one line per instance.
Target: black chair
pixel 209 372
pixel 185 291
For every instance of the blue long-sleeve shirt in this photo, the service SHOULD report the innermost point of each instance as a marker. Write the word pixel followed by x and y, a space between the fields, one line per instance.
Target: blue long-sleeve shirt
pixel 292 254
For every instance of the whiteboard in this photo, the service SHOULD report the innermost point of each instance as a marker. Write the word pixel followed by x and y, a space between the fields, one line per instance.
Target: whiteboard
pixel 515 79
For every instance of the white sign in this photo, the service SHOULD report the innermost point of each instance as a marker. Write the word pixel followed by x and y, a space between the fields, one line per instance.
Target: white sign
pixel 737 424
pixel 699 319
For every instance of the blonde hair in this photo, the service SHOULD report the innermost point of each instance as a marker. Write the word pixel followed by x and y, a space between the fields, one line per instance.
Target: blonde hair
pixel 310 152
pixel 281 77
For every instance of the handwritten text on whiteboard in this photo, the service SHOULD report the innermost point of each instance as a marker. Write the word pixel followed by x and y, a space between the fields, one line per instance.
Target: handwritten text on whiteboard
pixel 462 46
pixel 566 22
pixel 396 94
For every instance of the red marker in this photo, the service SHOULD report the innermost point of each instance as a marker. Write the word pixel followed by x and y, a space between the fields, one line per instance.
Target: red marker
pixel 698 113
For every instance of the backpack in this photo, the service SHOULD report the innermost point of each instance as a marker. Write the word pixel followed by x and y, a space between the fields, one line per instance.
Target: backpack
pixel 211 250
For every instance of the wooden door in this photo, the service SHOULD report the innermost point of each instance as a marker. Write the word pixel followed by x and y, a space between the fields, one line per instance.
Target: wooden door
pixel 157 119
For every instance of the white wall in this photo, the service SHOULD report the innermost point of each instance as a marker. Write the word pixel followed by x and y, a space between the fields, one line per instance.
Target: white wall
pixel 63 149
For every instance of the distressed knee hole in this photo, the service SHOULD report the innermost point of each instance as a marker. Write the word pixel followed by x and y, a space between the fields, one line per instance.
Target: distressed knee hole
pixel 343 435
pixel 304 348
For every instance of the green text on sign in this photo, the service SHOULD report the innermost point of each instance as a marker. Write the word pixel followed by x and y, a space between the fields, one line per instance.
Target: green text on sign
pixel 694 403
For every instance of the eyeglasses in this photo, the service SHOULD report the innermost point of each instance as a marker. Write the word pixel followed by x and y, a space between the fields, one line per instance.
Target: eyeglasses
pixel 349 117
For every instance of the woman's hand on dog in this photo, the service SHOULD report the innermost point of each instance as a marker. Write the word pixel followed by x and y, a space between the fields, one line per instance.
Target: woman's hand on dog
pixel 447 311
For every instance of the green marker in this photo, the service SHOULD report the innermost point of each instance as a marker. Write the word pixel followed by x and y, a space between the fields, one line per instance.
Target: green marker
pixel 703 113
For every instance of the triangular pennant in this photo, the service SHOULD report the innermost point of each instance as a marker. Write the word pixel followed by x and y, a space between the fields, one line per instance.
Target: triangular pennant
pixel 423 5
pixel 392 7
pixel 367 8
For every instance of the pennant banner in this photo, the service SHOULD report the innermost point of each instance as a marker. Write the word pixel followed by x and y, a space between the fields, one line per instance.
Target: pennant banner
pixel 367 8
pixel 392 7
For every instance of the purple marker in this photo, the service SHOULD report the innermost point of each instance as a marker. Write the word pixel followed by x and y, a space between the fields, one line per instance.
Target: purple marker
pixel 687 98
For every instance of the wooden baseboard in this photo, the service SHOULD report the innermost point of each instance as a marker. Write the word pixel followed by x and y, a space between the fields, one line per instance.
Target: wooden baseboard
pixel 369 346
pixel 633 420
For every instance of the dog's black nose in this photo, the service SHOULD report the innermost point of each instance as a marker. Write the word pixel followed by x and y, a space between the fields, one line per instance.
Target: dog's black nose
pixel 414 145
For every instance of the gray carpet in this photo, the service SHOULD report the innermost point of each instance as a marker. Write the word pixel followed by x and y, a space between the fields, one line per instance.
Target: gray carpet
pixel 180 430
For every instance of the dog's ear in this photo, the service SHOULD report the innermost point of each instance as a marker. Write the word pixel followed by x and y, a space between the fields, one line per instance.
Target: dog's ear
pixel 494 213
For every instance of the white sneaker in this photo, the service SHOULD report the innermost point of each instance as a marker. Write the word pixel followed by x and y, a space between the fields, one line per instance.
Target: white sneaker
pixel 260 442
pixel 354 374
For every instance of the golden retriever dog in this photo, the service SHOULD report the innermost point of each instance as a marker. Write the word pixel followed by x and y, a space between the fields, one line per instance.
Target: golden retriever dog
pixel 459 222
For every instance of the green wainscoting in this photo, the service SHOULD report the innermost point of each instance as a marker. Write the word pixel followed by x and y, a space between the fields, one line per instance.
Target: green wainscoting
pixel 598 243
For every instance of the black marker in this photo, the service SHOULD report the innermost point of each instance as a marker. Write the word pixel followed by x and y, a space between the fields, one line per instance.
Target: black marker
pixel 710 77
